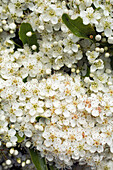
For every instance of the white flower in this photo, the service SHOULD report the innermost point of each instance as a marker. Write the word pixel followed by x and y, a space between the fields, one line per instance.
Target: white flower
pixel 15 10
pixel 89 16
pixel 52 14
pixel 98 64
pixel 76 123
pixel 100 76
pixel 92 56
pixel 106 9
pixel 94 86
pixel 69 43
pixel 106 25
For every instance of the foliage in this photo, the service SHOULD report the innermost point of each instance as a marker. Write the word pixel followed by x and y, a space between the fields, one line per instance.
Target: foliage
pixel 24 28
pixel 77 27
pixel 38 161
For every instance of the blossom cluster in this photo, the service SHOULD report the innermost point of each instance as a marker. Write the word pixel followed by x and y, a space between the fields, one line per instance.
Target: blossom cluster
pixel 59 99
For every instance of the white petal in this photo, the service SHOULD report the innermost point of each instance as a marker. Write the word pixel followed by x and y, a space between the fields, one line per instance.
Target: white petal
pixel 95 113
pixel 93 149
pixel 83 14
pixel 110 40
pixel 93 68
pixel 99 28
pixel 54 20
pixel 13 139
pixel 111 148
pixel 108 32
pixel 74 47
pixel 58 111
pixel 46 18
pixel 28 133
pixel 86 21
pixel 66 114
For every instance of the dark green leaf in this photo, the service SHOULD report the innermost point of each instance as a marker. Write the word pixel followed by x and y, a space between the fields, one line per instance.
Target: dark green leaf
pixel 38 161
pixel 20 139
pixel 88 72
pixel 77 27
pixel 38 117
pixel 24 28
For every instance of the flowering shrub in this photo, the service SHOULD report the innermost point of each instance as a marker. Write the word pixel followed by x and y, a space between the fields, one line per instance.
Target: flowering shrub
pixel 56 82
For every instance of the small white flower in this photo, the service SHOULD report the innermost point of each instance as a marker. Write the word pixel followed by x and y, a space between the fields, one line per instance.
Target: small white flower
pixel 89 16
pixel 98 64
pixel 92 56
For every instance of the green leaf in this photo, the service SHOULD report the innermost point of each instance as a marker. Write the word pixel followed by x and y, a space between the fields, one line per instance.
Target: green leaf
pixel 24 28
pixel 20 139
pixel 88 72
pixel 38 161
pixel 77 27
pixel 38 117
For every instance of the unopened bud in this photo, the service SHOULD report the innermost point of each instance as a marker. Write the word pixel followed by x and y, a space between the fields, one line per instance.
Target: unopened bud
pixel 98 37
pixel 34 47
pixel 107 55
pixel 29 34
pixel 73 70
pixel 91 36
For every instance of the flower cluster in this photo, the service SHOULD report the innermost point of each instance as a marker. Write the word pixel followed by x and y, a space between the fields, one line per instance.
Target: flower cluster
pixel 59 100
